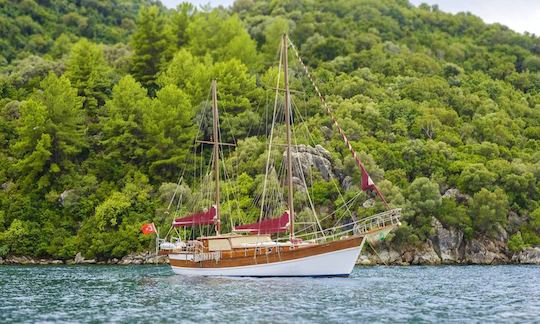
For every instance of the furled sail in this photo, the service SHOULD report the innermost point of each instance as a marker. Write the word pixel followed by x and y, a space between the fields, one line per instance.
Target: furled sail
pixel 266 226
pixel 203 218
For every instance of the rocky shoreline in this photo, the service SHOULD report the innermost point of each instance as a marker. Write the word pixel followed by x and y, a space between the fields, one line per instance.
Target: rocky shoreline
pixel 381 256
pixel 133 258
pixel 449 246
pixel 444 246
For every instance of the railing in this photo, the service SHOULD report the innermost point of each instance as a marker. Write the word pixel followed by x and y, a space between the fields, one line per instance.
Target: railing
pixel 363 226
pixel 378 221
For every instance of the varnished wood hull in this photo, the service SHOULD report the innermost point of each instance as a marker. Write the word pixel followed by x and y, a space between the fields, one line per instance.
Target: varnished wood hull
pixel 330 259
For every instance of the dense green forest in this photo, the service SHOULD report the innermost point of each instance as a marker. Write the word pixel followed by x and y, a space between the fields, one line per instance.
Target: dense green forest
pixel 99 102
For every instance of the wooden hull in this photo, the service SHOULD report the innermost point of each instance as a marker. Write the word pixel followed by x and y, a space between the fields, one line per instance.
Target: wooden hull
pixel 330 259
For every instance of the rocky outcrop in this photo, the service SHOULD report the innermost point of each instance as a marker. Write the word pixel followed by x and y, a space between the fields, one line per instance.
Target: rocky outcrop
pixel 446 242
pixel 368 203
pixel 457 195
pixel 313 157
pixel 347 183
pixel 527 256
pixel 19 260
pixel 66 197
pixel 144 258
pixel 448 246
pixel 79 259
pixel 484 250
pixel 426 255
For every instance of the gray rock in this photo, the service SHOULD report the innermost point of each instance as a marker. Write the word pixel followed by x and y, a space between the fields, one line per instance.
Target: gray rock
pixel 19 260
pixel 426 255
pixel 347 183
pixel 369 203
pixel 363 260
pixel 446 242
pixel 79 259
pixel 454 193
pixel 408 257
pixel 7 186
pixel 128 259
pixel 515 221
pixel 484 251
pixel 389 256
pixel 527 256
pixel 156 259
pixel 307 157
pixel 56 262
pixel 451 193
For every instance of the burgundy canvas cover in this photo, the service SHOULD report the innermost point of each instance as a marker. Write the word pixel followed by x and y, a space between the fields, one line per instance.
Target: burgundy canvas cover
pixel 367 183
pixel 266 226
pixel 202 218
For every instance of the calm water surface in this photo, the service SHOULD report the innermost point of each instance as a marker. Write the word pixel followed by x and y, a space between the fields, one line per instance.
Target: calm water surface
pixel 382 294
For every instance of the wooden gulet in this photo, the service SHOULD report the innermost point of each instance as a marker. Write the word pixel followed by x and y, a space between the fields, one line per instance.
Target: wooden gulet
pixel 250 250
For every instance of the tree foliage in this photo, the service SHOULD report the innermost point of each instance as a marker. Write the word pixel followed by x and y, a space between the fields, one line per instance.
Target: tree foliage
pixel 100 104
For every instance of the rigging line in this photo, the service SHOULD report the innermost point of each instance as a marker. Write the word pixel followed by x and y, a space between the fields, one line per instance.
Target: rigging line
pixel 271 134
pixel 304 122
pixel 329 111
pixel 342 206
pixel 179 202
pixel 304 180
pixel 199 127
pixel 230 191
pixel 176 190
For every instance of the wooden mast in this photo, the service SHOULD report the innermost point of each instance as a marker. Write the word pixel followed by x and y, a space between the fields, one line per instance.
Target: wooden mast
pixel 288 127
pixel 215 141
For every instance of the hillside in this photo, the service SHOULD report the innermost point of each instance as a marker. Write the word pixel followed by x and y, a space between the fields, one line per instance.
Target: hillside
pixel 100 103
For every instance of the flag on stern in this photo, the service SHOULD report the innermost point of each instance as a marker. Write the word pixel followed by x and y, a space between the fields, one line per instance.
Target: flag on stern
pixel 148 228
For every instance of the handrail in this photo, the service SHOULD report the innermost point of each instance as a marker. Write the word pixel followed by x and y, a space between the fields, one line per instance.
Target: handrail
pixel 366 225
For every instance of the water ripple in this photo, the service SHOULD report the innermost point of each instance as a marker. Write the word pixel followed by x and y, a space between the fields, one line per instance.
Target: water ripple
pixel 382 294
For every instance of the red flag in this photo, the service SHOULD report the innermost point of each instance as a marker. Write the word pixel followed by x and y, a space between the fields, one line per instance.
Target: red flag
pixel 148 228
pixel 367 183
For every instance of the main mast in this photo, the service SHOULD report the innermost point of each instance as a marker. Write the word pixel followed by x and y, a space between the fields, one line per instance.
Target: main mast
pixel 288 127
pixel 215 141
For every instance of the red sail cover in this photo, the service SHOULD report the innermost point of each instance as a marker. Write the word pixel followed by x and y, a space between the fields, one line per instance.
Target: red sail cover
pixel 367 183
pixel 202 218
pixel 266 226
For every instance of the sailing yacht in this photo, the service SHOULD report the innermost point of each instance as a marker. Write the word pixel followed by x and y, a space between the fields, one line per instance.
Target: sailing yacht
pixel 253 249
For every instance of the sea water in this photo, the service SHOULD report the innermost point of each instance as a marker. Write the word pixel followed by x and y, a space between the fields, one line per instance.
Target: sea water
pixel 94 293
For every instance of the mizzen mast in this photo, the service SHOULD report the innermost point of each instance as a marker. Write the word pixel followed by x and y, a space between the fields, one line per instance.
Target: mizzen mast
pixel 288 128
pixel 215 141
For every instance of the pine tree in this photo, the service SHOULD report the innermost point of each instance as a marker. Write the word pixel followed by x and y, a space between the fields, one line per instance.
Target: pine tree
pixel 123 136
pixel 89 73
pixel 152 44
pixel 170 128
pixel 180 20
pixel 51 133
